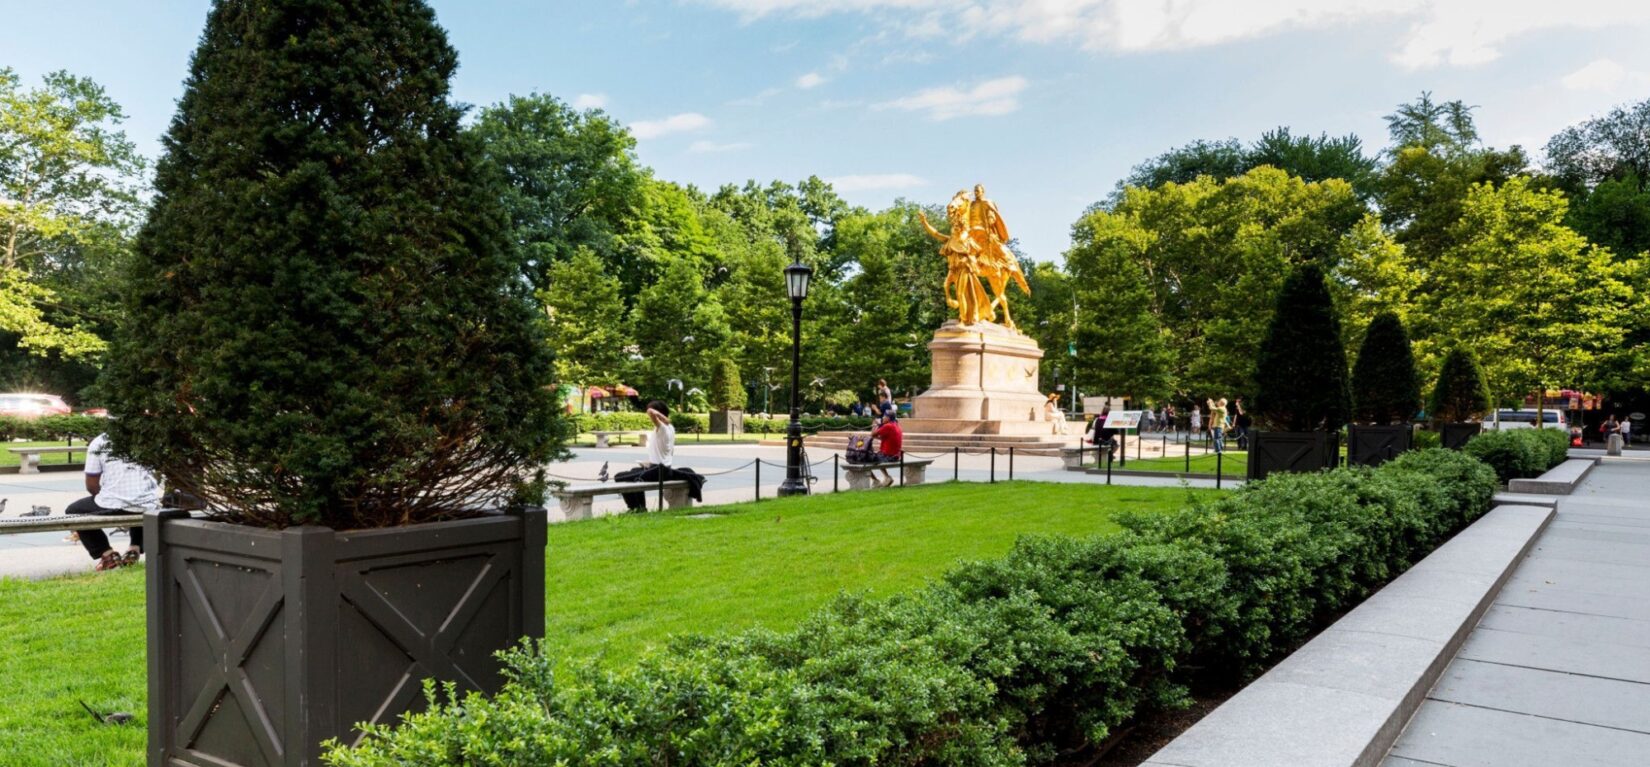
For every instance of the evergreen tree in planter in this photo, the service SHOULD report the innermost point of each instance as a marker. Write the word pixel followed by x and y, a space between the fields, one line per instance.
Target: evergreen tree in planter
pixel 1300 379
pixel 328 331
pixel 727 398
pixel 1386 392
pixel 1459 398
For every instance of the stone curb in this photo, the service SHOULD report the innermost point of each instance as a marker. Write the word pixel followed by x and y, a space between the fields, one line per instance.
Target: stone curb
pixel 1559 480
pixel 1345 697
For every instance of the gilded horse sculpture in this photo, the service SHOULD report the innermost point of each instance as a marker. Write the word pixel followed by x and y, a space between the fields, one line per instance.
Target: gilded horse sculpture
pixel 977 249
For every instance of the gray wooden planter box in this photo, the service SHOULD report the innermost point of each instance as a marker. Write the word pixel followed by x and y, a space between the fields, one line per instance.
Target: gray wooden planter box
pixel 1271 451
pixel 1375 445
pixel 264 643
pixel 1456 435
pixel 730 422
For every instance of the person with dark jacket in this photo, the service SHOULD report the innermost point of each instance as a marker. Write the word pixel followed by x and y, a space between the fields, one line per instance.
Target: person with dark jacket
pixel 1103 437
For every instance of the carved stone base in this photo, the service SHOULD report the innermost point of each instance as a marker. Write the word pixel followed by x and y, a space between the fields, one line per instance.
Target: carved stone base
pixel 984 381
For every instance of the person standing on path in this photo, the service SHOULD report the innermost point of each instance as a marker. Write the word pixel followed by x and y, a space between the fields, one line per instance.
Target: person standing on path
pixel 1626 432
pixel 1241 423
pixel 117 487
pixel 1611 429
pixel 1217 423
pixel 1196 423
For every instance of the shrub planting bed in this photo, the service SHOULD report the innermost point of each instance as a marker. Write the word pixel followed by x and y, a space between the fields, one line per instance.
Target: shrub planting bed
pixel 1520 453
pixel 1034 658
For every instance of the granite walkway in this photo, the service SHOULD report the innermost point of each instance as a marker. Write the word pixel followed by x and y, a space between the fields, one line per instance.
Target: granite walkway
pixel 1558 670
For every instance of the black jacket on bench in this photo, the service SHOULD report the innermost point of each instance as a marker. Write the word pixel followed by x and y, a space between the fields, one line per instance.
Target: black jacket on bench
pixel 696 482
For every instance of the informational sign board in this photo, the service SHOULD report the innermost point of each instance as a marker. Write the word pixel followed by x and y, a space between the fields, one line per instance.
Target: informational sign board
pixel 1123 419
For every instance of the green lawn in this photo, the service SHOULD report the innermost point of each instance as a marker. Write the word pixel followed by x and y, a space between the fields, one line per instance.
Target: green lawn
pixel 8 458
pixel 1235 463
pixel 617 586
pixel 683 438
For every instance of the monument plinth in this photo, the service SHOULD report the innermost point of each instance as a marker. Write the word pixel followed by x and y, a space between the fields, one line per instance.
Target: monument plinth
pixel 984 381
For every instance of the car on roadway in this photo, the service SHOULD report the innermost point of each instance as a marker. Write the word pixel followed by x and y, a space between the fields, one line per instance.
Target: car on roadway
pixel 31 405
pixel 1525 419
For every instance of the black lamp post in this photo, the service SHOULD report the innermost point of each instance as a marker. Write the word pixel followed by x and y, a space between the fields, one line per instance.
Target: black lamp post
pixel 796 283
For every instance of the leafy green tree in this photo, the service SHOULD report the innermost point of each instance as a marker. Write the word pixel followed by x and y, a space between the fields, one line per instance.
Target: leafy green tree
pixel 1461 394
pixel 587 324
pixel 327 321
pixel 679 327
pixel 1219 160
pixel 1386 388
pixel 68 199
pixel 1313 158
pixel 1433 125
pixel 1538 302
pixel 1213 254
pixel 1122 345
pixel 573 178
pixel 1614 146
pixel 726 391
pixel 1614 214
pixel 1300 376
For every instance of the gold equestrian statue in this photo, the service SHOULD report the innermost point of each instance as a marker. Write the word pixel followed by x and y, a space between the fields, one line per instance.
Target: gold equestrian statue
pixel 976 249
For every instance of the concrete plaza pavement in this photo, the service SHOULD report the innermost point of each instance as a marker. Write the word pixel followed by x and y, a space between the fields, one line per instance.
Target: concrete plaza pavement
pixel 731 478
pixel 1558 670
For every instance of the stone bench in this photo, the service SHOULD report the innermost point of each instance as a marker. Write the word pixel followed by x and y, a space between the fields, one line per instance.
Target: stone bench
pixel 30 456
pixel 859 474
pixel 1559 480
pixel 65 522
pixel 577 500
pixel 603 437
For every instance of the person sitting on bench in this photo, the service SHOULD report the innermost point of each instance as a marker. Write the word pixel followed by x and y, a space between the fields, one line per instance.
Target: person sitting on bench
pixel 661 454
pixel 117 487
pixel 890 440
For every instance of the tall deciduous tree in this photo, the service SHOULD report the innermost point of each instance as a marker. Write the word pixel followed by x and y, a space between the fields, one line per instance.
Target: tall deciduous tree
pixel 68 178
pixel 1122 344
pixel 679 327
pixel 1534 298
pixel 327 321
pixel 1386 388
pixel 587 324
pixel 1300 376
pixel 573 180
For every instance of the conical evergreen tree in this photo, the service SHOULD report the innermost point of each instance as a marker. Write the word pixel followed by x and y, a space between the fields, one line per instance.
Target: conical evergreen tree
pixel 326 320
pixel 1461 394
pixel 1385 385
pixel 1300 376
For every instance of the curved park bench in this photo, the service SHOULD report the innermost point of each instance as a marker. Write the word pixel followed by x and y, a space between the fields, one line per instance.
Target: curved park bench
pixel 30 456
pixel 576 500
pixel 603 438
pixel 915 472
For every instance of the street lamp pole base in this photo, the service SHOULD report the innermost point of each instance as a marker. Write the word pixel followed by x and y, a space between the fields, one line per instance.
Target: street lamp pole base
pixel 793 487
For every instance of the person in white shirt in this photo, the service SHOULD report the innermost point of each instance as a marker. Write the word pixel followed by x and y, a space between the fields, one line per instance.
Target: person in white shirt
pixel 1626 432
pixel 117 487
pixel 661 458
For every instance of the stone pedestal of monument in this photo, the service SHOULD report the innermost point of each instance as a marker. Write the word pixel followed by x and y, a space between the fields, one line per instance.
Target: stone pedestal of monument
pixel 984 382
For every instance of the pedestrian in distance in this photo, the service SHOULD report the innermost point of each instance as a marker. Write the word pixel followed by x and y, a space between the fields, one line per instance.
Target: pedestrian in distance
pixel 1217 423
pixel 1102 437
pixel 1195 422
pixel 1241 423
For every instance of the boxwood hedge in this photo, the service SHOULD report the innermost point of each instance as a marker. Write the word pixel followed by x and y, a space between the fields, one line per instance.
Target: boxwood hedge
pixel 1028 659
pixel 1516 453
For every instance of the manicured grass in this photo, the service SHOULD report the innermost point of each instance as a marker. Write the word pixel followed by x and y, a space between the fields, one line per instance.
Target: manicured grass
pixel 684 438
pixel 8 458
pixel 1235 463
pixel 617 587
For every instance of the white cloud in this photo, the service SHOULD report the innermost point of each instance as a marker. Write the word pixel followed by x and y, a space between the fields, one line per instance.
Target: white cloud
pixel 876 182
pixel 590 101
pixel 1601 75
pixel 1434 32
pixel 687 121
pixel 710 147
pixel 987 99
pixel 810 80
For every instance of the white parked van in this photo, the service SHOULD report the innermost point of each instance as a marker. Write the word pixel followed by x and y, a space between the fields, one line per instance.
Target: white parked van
pixel 1525 419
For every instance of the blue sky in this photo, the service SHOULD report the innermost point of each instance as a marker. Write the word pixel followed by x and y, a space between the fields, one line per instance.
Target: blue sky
pixel 1046 102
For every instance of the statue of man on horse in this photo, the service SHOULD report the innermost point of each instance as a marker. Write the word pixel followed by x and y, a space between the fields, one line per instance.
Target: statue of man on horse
pixel 976 249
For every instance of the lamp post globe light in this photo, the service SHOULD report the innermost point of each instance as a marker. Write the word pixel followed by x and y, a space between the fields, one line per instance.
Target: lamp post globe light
pixel 796 284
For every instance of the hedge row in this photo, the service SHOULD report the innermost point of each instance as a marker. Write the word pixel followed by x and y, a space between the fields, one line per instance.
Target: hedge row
pixel 1029 659
pixel 52 427
pixel 700 422
pixel 1516 453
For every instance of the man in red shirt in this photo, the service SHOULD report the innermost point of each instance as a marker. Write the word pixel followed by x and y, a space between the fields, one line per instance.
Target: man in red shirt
pixel 890 445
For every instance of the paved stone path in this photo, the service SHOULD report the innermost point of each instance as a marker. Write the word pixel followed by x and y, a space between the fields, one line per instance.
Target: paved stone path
pixel 1558 670
pixel 37 555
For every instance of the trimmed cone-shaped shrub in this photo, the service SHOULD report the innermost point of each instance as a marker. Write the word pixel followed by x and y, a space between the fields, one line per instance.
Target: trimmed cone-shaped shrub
pixel 1460 394
pixel 727 392
pixel 1300 376
pixel 326 320
pixel 1385 386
